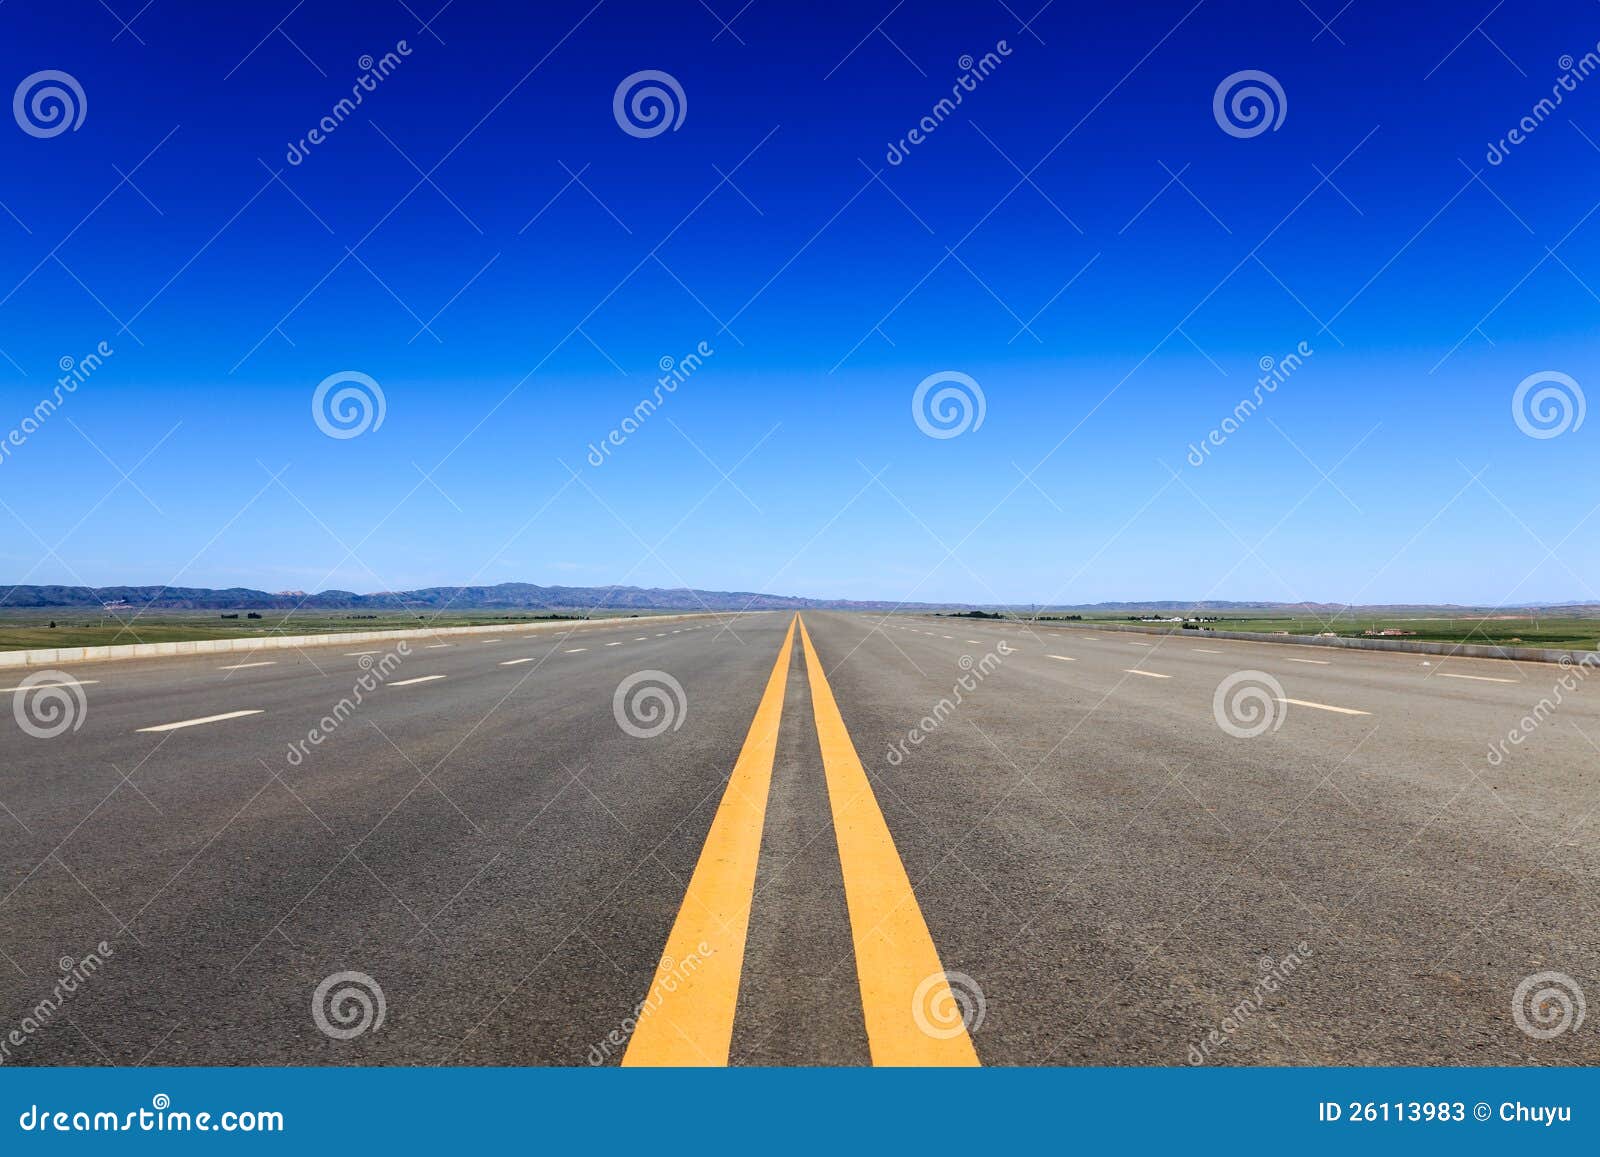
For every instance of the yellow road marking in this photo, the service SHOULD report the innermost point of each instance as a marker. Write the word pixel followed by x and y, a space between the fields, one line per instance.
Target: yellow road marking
pixel 693 1023
pixel 896 962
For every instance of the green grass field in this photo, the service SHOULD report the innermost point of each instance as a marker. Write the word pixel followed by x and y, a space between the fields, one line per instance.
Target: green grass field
pixel 1528 632
pixel 26 630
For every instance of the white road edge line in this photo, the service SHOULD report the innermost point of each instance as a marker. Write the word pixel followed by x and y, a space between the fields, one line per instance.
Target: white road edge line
pixel 204 719
pixel 1323 706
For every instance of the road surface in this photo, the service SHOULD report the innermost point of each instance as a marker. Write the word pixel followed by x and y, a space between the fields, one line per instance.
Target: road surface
pixel 911 839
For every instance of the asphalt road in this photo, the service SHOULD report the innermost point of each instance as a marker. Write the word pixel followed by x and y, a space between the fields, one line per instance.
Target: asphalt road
pixel 1074 864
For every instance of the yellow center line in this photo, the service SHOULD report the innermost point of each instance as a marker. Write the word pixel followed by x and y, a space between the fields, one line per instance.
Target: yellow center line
pixel 897 964
pixel 690 1020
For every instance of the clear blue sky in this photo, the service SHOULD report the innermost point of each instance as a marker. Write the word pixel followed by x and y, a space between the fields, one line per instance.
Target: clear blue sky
pixel 826 294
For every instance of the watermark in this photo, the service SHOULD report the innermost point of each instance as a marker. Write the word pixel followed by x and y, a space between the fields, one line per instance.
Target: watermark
pixel 373 73
pixel 347 1005
pixel 161 1117
pixel 1274 975
pixel 1255 105
pixel 374 675
pixel 1573 73
pixel 1248 704
pixel 948 404
pixel 974 672
pixel 1274 372
pixel 655 105
pixel 1548 1004
pixel 1548 404
pixel 74 372
pixel 1571 678
pixel 674 372
pixel 647 703
pixel 48 103
pixel 670 975
pixel 947 1004
pixel 973 73
pixel 48 704
pixel 75 973
pixel 348 404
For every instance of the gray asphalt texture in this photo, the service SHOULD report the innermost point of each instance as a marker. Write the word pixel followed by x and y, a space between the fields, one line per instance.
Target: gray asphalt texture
pixel 1110 866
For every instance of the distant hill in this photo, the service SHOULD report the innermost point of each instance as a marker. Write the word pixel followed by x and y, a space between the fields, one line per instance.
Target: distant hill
pixel 527 596
pixel 503 596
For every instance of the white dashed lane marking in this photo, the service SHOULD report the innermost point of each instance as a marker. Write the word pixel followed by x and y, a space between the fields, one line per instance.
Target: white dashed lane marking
pixel 1063 658
pixel 1323 706
pixel 577 650
pixel 246 666
pixel 1479 678
pixel 418 679
pixel 1146 674
pixel 1318 662
pixel 514 662
pixel 42 686
pixel 203 719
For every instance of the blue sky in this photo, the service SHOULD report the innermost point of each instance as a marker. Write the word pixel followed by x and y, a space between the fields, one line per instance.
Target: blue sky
pixel 513 306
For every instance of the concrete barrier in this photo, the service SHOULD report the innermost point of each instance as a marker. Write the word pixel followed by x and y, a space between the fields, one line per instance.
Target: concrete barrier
pixel 56 656
pixel 1405 646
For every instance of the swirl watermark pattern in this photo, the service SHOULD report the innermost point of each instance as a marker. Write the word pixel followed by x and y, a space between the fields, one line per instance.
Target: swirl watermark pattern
pixel 348 404
pixel 1548 404
pixel 1248 103
pixel 647 703
pixel 947 1004
pixel 348 1004
pixel 48 103
pixel 948 404
pixel 49 703
pixel 1248 704
pixel 1548 1004
pixel 648 103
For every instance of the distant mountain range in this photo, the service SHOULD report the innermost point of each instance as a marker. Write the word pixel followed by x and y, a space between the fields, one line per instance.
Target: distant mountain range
pixel 527 596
